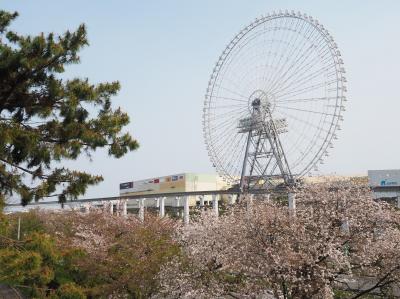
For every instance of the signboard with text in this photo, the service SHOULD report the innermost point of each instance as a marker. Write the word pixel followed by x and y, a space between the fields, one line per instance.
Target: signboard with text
pixel 160 184
pixel 384 178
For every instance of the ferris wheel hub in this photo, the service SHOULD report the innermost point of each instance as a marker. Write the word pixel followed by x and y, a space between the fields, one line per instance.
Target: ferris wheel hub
pixel 260 98
pixel 256 103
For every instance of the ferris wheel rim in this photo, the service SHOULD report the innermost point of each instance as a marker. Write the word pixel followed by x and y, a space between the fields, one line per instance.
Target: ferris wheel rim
pixel 340 98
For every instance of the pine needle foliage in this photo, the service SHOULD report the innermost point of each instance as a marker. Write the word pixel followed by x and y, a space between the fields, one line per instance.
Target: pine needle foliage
pixel 45 119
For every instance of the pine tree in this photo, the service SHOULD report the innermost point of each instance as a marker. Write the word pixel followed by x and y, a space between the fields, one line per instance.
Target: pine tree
pixel 45 120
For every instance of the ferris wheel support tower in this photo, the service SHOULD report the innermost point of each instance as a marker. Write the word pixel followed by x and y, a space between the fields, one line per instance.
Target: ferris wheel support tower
pixel 263 135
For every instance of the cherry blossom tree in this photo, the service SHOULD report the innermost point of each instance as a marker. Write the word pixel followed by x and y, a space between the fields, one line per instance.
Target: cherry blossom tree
pixel 338 239
pixel 123 255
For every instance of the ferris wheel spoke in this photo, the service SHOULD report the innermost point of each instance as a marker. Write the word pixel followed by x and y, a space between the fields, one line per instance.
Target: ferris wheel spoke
pixel 308 111
pixel 289 146
pixel 227 106
pixel 233 85
pixel 265 66
pixel 268 57
pixel 298 151
pixel 236 154
pixel 224 143
pixel 234 119
pixel 302 135
pixel 281 69
pixel 274 50
pixel 304 80
pixel 223 137
pixel 298 74
pixel 243 44
pixel 289 79
pixel 223 152
pixel 309 32
pixel 279 46
pixel 224 117
pixel 301 56
pixel 235 145
pixel 233 164
pixel 220 138
pixel 296 56
pixel 313 144
pixel 221 130
pixel 289 142
pixel 229 99
pixel 307 100
pixel 224 114
pixel 217 137
pixel 305 89
pixel 307 151
pixel 304 121
pixel 231 91
pixel 238 151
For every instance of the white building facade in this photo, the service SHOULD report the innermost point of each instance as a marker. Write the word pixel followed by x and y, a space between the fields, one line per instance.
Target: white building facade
pixel 182 182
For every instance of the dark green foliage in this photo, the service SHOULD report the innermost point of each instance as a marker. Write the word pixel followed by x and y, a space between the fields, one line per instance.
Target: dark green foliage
pixel 38 266
pixel 45 119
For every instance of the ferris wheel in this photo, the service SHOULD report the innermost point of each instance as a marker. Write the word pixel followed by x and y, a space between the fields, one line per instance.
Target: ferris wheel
pixel 274 101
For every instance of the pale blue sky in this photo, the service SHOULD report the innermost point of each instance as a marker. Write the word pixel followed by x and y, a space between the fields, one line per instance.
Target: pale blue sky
pixel 162 52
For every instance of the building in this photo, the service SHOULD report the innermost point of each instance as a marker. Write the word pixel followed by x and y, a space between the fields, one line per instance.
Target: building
pixel 183 182
pixel 385 184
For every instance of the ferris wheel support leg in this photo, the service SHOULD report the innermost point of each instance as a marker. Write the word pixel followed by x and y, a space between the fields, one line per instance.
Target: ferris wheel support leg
pixel 162 207
pixel 186 210
pixel 201 201
pixel 111 207
pixel 141 209
pixel 215 204
pixel 124 207
pixel 250 199
pixel 268 197
pixel 103 206
pixel 249 202
pixel 292 202
pixel 178 206
pixel 345 227
pixel 86 208
pixel 117 208
pixel 232 200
